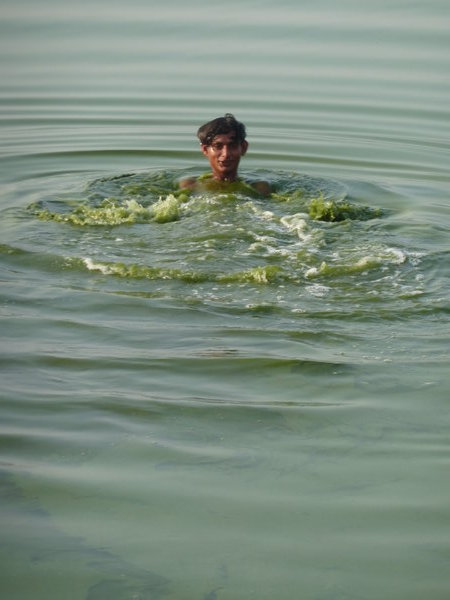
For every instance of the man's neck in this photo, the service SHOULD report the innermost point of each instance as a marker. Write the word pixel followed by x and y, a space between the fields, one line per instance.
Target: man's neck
pixel 225 178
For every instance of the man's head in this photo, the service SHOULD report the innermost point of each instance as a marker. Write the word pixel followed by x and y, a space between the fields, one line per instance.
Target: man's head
pixel 226 124
pixel 223 142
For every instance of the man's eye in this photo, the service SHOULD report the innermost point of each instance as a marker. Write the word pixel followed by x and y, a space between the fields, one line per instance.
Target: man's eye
pixel 219 147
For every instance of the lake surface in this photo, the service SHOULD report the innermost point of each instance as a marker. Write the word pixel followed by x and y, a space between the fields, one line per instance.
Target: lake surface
pixel 224 397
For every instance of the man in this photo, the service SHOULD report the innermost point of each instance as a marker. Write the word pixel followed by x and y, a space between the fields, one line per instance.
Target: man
pixel 223 142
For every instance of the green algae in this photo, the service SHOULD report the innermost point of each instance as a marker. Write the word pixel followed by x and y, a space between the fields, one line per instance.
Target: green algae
pixel 329 270
pixel 293 197
pixel 260 275
pixel 157 198
pixel 112 212
pixel 331 210
pixel 166 209
pixel 320 208
pixel 134 271
pixel 265 274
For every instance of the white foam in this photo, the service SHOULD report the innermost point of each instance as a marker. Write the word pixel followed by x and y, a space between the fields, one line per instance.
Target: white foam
pixel 92 266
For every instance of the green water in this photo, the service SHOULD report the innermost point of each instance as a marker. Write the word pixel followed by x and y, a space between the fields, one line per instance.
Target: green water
pixel 216 395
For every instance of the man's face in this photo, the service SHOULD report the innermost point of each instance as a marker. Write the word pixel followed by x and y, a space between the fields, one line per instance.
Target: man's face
pixel 224 154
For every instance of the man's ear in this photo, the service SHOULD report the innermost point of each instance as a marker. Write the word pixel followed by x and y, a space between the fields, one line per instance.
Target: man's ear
pixel 204 149
pixel 244 147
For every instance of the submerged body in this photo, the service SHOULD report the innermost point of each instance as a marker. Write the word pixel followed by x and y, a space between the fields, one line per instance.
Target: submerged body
pixel 207 183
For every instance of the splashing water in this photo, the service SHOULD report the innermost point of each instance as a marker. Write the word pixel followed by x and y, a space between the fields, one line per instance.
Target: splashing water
pixel 309 232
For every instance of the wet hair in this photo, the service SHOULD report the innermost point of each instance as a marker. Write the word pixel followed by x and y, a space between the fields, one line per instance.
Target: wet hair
pixel 208 131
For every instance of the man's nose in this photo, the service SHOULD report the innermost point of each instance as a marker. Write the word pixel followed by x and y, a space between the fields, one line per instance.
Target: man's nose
pixel 225 151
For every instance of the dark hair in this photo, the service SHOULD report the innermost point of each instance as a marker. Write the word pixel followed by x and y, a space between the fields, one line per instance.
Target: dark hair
pixel 208 131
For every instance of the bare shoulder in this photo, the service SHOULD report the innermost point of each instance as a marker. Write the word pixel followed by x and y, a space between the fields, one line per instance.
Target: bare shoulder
pixel 188 183
pixel 262 187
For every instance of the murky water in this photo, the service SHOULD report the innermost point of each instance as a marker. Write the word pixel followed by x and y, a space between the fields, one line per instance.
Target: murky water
pixel 222 396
